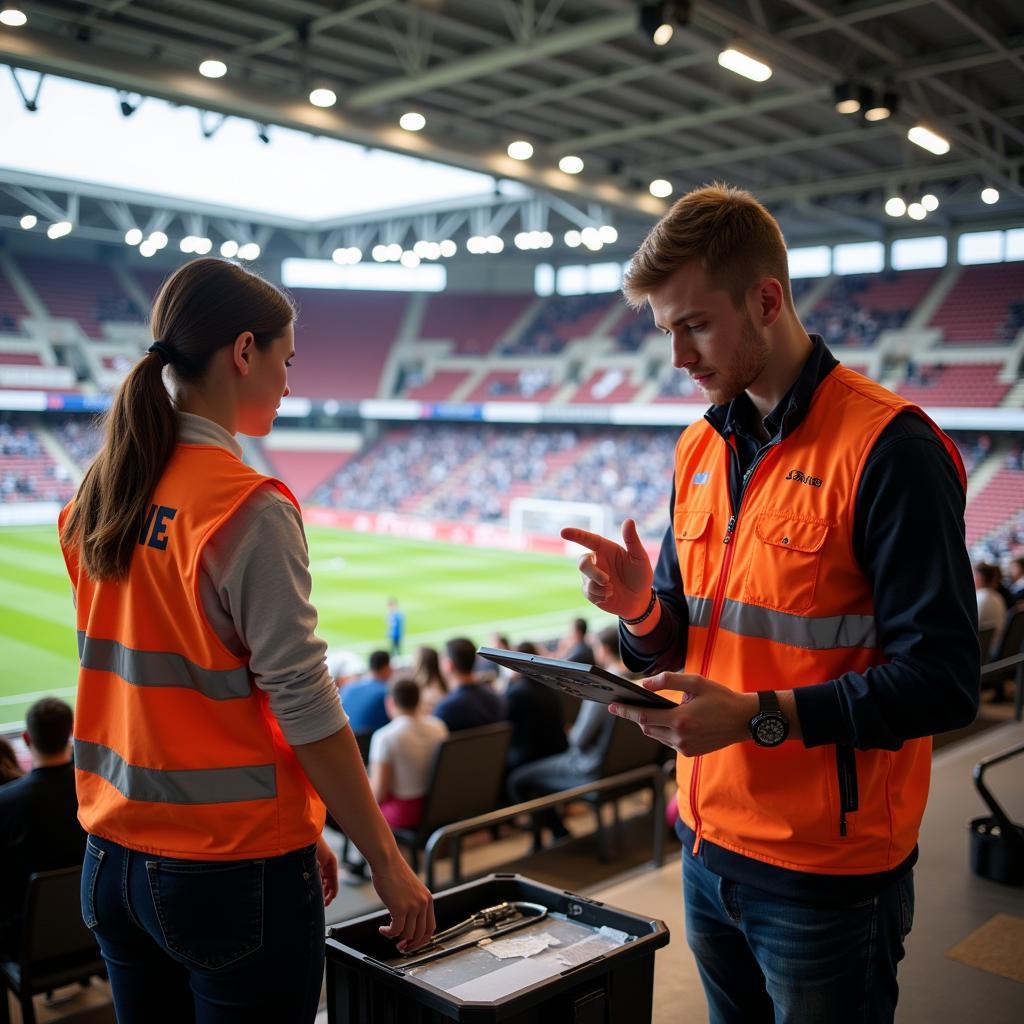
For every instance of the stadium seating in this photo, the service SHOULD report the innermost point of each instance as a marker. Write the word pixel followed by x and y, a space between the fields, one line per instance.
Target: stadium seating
pixel 439 388
pixel 611 384
pixel 27 471
pixel 87 293
pixel 533 384
pixel 560 319
pixel 304 471
pixel 857 308
pixel 963 384
pixel 342 342
pixel 980 307
pixel 1000 504
pixel 474 323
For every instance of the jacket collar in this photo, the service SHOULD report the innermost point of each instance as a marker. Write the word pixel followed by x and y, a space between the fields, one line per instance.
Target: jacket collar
pixel 740 416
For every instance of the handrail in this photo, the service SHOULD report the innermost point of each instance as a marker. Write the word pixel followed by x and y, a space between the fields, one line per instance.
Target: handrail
pixel 1001 666
pixel 651 775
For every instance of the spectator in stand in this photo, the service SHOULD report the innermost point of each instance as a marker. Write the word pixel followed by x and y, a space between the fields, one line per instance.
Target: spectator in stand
pixel 535 712
pixel 470 703
pixel 9 767
pixel 365 700
pixel 991 606
pixel 574 646
pixel 1016 580
pixel 39 829
pixel 588 741
pixel 427 673
pixel 401 755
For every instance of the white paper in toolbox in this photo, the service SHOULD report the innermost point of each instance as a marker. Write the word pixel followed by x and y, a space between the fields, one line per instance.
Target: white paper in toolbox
pixel 520 945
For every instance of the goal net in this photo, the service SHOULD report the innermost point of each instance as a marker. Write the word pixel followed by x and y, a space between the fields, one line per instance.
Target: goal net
pixel 545 517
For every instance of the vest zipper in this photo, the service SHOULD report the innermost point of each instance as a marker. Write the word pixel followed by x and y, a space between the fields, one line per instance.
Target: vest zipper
pixel 716 608
pixel 846 766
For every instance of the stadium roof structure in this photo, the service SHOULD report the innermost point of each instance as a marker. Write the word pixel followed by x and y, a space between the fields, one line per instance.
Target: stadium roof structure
pixel 581 78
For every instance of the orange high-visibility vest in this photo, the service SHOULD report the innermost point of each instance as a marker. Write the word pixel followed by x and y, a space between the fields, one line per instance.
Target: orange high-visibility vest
pixel 176 750
pixel 777 601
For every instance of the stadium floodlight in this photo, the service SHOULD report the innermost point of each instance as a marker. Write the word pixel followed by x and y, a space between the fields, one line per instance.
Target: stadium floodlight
pixel 915 211
pixel 924 137
pixel 656 20
pixel 229 249
pixel 522 240
pixel 520 149
pixel 59 229
pixel 591 238
pixel 990 196
pixel 546 240
pixel 660 188
pixel 930 202
pixel 203 245
pixel 570 165
pixel 741 63
pixel 433 251
pixel 347 256
pixel 572 238
pixel 188 243
pixel 29 221
pixel 410 259
pixel 158 238
pixel 421 248
pixel 495 243
pixel 895 206
pixel 412 121
pixel 608 234
pixel 882 108
pixel 213 67
pixel 249 251
pixel 133 236
pixel 323 96
pixel 476 244
pixel 379 253
pixel 394 252
pixel 448 248
pixel 849 97
pixel 12 16
pixel 147 248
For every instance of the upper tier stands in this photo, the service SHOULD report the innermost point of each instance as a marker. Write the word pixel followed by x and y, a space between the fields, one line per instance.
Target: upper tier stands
pixel 342 342
pixel 475 323
pixel 88 293
pixel 856 309
pixel 609 385
pixel 983 306
pixel 80 438
pixel 963 384
pixel 12 309
pixel 439 388
pixel 533 384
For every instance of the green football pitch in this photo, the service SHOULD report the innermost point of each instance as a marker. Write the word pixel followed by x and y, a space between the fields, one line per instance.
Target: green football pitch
pixel 445 590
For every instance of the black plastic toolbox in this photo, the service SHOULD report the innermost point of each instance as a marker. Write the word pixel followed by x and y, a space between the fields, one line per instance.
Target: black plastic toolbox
pixel 368 984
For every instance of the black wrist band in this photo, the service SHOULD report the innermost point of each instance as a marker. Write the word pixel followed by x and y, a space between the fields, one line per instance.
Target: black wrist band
pixel 647 611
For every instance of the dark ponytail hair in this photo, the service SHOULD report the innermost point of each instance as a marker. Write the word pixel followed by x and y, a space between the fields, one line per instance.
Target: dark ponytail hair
pixel 201 307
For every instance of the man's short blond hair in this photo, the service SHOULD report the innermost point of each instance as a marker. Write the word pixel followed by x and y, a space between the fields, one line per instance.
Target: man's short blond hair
pixel 733 238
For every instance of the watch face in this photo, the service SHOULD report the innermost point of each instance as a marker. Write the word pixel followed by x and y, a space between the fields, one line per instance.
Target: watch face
pixel 771 731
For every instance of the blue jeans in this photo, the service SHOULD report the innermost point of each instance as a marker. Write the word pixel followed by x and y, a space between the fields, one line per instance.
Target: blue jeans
pixel 215 942
pixel 766 959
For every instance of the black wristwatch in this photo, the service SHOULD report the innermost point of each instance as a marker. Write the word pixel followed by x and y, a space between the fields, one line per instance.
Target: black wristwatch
pixel 769 727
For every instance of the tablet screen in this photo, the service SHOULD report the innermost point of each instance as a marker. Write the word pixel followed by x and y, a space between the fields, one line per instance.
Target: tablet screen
pixel 585 681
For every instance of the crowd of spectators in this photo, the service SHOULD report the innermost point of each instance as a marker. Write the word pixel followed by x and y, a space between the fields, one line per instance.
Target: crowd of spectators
pixel 545 335
pixel 118 308
pixel 526 384
pixel 81 439
pixel 842 319
pixel 27 472
pixel 1014 320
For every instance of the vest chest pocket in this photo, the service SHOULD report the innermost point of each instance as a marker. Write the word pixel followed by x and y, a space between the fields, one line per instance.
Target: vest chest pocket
pixel 784 562
pixel 691 530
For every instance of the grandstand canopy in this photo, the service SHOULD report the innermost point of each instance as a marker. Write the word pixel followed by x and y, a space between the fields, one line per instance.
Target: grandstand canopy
pixel 583 78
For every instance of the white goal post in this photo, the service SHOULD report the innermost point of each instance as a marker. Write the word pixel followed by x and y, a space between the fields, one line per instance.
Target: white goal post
pixel 545 517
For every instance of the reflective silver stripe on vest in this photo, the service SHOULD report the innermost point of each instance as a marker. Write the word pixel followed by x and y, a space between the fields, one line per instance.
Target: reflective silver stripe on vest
pixel 700 610
pixel 159 668
pixel 189 786
pixel 822 633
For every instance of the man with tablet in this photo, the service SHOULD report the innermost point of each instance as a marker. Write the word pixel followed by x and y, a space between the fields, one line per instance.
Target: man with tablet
pixel 812 609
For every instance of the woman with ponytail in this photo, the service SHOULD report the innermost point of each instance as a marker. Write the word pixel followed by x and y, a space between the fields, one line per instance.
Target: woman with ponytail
pixel 208 733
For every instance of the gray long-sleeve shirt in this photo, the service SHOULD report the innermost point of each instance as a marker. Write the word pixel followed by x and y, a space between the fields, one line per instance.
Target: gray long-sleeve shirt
pixel 254 586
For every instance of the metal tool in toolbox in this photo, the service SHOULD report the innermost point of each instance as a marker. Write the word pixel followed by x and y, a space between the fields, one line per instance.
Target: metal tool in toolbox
pixel 489 923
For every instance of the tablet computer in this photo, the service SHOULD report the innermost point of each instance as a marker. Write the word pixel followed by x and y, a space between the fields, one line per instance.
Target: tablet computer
pixel 586 681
